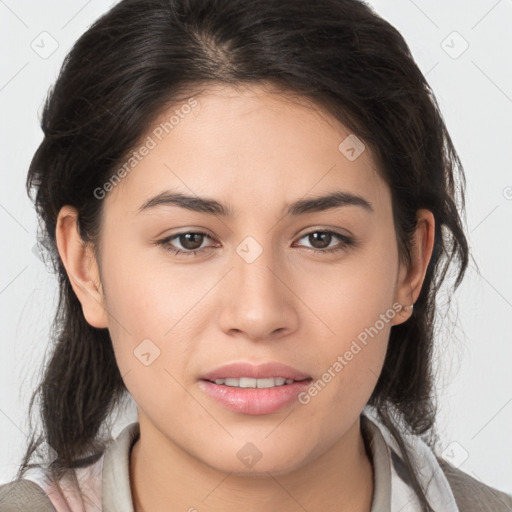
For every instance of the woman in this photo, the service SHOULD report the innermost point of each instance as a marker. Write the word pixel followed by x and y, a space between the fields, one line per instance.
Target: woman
pixel 250 208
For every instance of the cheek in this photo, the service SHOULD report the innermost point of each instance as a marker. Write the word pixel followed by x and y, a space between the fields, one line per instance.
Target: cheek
pixel 351 294
pixel 152 305
pixel 143 288
pixel 353 301
pixel 145 309
pixel 349 363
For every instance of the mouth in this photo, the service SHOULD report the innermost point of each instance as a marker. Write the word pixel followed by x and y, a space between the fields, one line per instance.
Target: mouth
pixel 255 396
pixel 253 383
pixel 244 374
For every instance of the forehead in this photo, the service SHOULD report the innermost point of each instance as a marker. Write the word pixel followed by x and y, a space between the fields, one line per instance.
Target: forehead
pixel 248 144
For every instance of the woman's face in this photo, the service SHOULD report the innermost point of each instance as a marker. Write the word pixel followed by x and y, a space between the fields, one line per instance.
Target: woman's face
pixel 255 292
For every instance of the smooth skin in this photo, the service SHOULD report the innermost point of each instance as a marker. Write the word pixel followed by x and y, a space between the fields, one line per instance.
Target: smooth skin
pixel 255 151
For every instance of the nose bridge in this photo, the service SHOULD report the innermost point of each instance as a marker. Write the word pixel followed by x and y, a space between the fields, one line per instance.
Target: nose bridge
pixel 258 302
pixel 255 268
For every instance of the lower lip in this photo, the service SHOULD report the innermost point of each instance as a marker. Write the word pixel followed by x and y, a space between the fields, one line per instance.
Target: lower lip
pixel 255 400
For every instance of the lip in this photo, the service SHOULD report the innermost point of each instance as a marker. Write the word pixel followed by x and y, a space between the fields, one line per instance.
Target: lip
pixel 254 400
pixel 261 371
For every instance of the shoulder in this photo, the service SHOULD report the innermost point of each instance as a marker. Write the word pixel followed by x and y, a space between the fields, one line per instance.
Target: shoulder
pixel 473 495
pixel 22 495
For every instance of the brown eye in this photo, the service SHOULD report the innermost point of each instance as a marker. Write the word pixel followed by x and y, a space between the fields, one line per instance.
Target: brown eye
pixel 320 239
pixel 191 241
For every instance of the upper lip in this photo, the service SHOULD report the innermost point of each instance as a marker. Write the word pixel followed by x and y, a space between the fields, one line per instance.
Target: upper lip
pixel 261 371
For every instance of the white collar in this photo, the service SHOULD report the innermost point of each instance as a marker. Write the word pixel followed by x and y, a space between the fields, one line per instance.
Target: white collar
pixel 396 476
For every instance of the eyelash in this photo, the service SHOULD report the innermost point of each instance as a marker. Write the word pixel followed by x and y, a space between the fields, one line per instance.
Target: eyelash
pixel 165 242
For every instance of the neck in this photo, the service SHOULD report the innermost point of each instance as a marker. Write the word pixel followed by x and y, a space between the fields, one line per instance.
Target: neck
pixel 162 474
pixel 339 479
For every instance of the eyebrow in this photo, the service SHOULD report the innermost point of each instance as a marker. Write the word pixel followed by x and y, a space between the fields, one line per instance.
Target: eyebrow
pixel 335 199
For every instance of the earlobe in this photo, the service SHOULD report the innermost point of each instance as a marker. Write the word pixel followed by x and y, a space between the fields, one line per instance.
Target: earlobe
pixel 410 283
pixel 81 267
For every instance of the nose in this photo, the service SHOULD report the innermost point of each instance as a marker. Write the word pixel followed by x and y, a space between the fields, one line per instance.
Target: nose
pixel 259 300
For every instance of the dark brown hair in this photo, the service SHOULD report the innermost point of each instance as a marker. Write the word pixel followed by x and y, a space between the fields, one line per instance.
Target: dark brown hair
pixel 144 55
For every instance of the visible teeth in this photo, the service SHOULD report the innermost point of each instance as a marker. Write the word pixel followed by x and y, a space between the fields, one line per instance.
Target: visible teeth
pixel 247 382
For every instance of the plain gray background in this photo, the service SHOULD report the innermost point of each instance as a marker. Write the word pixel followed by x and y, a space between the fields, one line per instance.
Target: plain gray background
pixel 463 48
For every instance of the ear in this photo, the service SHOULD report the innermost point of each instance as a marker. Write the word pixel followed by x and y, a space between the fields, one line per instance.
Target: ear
pixel 411 279
pixel 81 267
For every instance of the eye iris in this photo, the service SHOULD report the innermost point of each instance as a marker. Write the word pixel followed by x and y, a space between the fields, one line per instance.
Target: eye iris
pixel 322 235
pixel 188 237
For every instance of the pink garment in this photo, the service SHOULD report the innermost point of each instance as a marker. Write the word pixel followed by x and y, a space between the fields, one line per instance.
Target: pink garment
pixel 65 497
